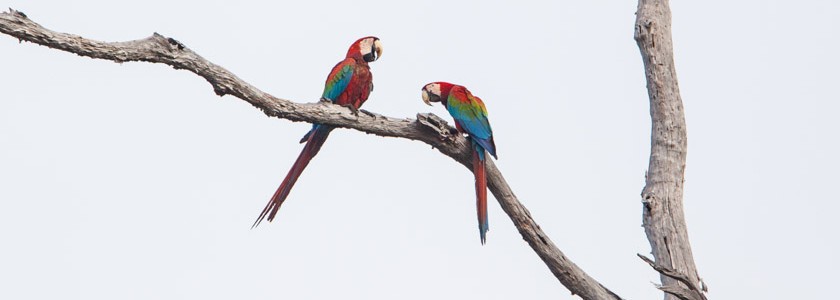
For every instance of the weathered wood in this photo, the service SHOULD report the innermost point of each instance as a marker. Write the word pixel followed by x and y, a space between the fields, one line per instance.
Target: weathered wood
pixel 430 129
pixel 662 196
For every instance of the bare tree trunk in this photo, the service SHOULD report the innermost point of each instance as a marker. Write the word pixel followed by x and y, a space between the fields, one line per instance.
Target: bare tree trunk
pixel 427 128
pixel 662 196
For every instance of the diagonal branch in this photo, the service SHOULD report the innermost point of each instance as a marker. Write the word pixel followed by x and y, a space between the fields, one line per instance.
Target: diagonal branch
pixel 429 128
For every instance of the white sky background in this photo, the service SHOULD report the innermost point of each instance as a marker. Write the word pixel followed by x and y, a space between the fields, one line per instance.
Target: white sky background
pixel 135 181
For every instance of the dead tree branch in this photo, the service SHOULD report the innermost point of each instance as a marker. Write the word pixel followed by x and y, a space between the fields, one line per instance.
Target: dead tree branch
pixel 693 292
pixel 662 196
pixel 428 128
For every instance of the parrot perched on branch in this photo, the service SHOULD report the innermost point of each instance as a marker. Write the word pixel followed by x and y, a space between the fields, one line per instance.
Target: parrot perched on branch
pixel 470 116
pixel 349 84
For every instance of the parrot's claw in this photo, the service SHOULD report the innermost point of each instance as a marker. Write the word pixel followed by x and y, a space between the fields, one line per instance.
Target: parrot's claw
pixel 325 100
pixel 368 113
pixel 353 111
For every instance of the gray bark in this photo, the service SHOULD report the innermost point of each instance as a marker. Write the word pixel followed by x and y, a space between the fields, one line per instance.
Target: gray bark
pixel 428 128
pixel 662 196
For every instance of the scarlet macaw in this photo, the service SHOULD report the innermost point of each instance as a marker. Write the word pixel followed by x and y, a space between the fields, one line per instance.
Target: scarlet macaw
pixel 349 84
pixel 470 116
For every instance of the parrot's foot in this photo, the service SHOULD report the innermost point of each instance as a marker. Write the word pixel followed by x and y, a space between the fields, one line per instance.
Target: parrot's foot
pixel 324 100
pixel 353 110
pixel 367 113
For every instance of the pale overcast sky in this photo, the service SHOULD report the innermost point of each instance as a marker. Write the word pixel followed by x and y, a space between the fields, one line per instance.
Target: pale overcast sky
pixel 134 181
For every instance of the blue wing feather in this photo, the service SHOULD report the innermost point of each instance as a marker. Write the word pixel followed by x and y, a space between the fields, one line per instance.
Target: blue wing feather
pixel 337 83
pixel 338 79
pixel 471 114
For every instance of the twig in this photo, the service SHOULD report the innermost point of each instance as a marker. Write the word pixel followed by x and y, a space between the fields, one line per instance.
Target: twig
pixel 693 292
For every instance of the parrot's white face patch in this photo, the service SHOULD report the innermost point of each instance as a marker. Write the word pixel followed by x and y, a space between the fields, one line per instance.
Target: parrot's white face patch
pixel 370 48
pixel 366 45
pixel 430 91
pixel 433 88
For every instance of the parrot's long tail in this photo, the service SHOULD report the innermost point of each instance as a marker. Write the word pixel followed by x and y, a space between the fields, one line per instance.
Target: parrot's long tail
pixel 480 192
pixel 314 139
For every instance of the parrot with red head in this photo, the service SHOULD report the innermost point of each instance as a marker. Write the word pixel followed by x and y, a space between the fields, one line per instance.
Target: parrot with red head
pixel 470 116
pixel 349 84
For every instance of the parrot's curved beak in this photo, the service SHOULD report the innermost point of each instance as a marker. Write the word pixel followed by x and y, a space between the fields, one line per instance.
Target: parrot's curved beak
pixel 426 98
pixel 377 47
pixel 375 50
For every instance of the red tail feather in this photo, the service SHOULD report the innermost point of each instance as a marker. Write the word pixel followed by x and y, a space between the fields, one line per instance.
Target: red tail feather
pixel 313 144
pixel 481 195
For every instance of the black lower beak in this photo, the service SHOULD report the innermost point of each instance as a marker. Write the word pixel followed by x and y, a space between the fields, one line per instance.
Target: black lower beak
pixel 369 57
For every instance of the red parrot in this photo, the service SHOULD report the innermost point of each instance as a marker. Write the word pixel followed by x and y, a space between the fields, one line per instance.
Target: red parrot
pixel 349 84
pixel 470 116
